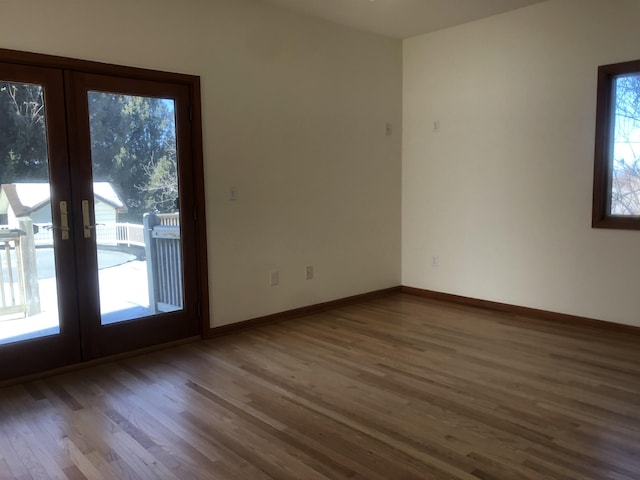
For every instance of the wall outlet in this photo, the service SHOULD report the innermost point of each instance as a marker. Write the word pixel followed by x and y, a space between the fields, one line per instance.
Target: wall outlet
pixel 308 272
pixel 274 278
pixel 233 194
pixel 435 261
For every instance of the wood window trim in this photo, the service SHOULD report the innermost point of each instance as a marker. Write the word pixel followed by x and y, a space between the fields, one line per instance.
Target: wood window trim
pixel 601 213
pixel 88 66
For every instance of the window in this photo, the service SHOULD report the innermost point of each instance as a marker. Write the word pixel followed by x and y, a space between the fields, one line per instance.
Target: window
pixel 616 191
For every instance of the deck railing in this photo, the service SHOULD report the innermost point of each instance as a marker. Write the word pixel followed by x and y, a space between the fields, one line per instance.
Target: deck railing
pixel 159 236
pixel 11 279
pixel 19 291
pixel 129 234
pixel 163 250
pixel 106 234
pixel 169 219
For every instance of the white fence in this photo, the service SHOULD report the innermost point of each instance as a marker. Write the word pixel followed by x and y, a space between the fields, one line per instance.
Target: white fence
pixel 106 234
pixel 19 289
pixel 12 292
pixel 18 275
pixel 169 219
pixel 163 251
pixel 129 234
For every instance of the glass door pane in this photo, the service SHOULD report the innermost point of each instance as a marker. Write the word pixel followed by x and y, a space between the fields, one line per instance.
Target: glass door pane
pixel 133 176
pixel 135 205
pixel 28 284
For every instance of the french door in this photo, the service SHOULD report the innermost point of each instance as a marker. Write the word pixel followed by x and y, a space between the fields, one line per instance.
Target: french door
pixel 98 206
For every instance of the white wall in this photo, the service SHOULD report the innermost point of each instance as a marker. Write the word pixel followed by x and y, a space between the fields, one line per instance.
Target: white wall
pixel 104 213
pixel 294 113
pixel 502 192
pixel 40 215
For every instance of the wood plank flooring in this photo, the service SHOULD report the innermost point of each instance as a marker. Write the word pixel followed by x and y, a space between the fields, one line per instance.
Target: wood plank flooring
pixel 395 388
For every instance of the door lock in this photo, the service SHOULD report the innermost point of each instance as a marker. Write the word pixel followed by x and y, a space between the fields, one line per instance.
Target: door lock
pixel 86 223
pixel 64 221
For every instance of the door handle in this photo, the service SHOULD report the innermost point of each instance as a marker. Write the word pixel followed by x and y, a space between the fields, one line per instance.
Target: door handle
pixel 64 221
pixel 86 223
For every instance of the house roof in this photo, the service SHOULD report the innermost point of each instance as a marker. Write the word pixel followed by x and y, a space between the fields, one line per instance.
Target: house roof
pixel 27 197
pixel 106 192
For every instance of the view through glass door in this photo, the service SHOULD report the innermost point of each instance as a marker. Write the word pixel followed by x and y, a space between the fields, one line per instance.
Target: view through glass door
pixel 133 173
pixel 28 288
pixel 98 247
pixel 37 261
pixel 134 159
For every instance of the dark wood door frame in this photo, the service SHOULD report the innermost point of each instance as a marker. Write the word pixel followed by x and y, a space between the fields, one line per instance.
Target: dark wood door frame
pixel 190 85
pixel 49 352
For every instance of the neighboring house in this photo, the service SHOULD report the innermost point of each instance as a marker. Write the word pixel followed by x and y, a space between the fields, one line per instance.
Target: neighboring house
pixel 34 200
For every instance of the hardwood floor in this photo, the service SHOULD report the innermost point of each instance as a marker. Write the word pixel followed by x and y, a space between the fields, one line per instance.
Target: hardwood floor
pixel 395 388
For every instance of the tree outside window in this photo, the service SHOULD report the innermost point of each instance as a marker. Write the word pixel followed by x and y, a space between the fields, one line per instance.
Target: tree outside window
pixel 616 199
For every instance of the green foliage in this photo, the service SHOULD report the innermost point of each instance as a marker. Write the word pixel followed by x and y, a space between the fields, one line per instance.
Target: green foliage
pixel 131 138
pixel 23 146
pixel 161 187
pixel 133 144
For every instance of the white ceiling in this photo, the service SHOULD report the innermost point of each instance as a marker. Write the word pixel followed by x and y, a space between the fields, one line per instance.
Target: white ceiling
pixel 402 18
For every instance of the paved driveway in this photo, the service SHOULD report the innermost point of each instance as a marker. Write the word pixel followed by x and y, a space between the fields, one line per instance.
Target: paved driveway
pixel 106 259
